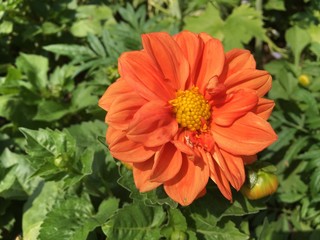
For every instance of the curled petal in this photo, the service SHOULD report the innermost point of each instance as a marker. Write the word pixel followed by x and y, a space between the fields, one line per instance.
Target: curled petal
pixel 248 135
pixel 166 53
pixel 218 176
pixel 118 88
pixel 126 150
pixel 237 105
pixel 143 75
pixel 167 163
pixel 192 47
pixel 153 125
pixel 264 108
pixel 232 167
pixel 188 184
pixel 141 175
pixel 212 63
pixel 257 80
pixel 239 59
pixel 122 111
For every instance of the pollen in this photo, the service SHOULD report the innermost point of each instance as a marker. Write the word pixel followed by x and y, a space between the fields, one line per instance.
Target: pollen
pixel 191 109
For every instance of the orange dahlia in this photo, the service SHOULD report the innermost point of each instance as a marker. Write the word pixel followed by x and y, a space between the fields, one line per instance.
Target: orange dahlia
pixel 183 111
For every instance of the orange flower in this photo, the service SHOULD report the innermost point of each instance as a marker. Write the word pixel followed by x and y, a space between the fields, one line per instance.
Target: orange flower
pixel 183 111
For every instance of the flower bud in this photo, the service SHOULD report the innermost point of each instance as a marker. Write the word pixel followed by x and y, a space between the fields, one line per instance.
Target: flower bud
pixel 304 80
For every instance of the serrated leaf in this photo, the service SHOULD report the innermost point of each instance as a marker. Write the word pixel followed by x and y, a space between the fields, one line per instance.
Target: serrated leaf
pixel 86 134
pixel 208 21
pixel 241 26
pixel 15 174
pixel 74 218
pixel 297 38
pixel 135 221
pixel 49 110
pixel 176 222
pixel 38 206
pixel 35 67
pixel 209 231
pixel 295 149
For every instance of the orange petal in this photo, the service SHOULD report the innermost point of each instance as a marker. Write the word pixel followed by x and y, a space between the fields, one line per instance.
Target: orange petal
pixel 189 182
pixel 212 63
pixel 153 125
pixel 237 104
pixel 166 53
pixel 249 78
pixel 141 175
pixel 264 108
pixel 167 163
pixel 239 59
pixel 192 47
pixel 118 88
pixel 248 135
pixel 143 75
pixel 232 167
pixel 126 150
pixel 123 109
pixel 218 176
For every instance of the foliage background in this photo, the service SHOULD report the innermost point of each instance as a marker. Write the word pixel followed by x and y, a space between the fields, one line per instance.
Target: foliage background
pixel 57 179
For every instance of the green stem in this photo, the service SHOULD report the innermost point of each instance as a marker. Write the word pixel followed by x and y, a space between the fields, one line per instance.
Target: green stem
pixel 258 42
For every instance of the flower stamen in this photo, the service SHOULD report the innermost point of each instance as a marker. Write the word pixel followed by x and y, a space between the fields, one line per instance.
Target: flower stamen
pixel 191 109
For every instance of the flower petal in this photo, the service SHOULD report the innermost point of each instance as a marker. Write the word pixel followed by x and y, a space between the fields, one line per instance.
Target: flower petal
pixel 126 150
pixel 237 104
pixel 166 53
pixel 212 63
pixel 143 75
pixel 141 175
pixel 153 125
pixel 247 136
pixel 249 78
pixel 232 167
pixel 167 163
pixel 116 89
pixel 123 109
pixel 192 47
pixel 185 187
pixel 239 59
pixel 264 108
pixel 218 176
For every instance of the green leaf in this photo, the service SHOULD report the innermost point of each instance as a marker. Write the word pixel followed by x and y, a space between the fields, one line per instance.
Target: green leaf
pixel 75 219
pixel 49 110
pixel 315 183
pixel 135 221
pixel 241 26
pixel 35 67
pixel 15 174
pixel 208 21
pixel 177 222
pixel 295 149
pixel 38 206
pixel 297 38
pixel 156 196
pixel 70 50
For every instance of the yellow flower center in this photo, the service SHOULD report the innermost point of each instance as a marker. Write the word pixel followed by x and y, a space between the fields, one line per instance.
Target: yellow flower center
pixel 191 109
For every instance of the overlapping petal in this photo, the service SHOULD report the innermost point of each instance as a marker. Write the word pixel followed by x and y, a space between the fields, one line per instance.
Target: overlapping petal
pixel 141 176
pixel 248 135
pixel 144 76
pixel 153 125
pixel 166 53
pixel 126 150
pixel 264 108
pixel 239 59
pixel 236 105
pixel 167 163
pixel 119 88
pixel 258 80
pixel 122 111
pixel 189 182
